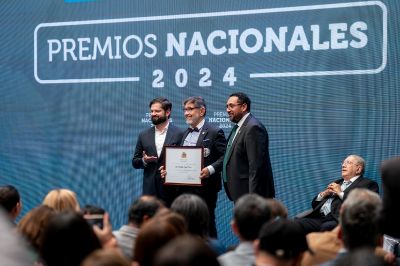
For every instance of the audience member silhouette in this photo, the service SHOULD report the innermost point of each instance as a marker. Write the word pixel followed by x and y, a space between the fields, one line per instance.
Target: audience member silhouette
pixel 11 201
pixel 67 240
pixel 31 226
pixel 186 251
pixel 62 200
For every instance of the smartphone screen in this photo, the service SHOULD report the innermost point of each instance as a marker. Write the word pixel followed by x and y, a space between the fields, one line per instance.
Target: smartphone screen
pixel 94 219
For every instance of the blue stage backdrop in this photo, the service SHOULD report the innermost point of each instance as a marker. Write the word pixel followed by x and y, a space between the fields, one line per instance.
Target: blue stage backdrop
pixel 77 77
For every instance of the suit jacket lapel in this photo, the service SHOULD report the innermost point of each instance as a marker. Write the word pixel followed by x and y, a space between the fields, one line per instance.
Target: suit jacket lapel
pixel 168 138
pixel 152 140
pixel 354 184
pixel 238 132
pixel 184 136
pixel 202 135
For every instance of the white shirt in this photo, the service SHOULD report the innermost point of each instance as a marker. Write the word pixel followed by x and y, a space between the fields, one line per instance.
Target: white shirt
pixel 326 208
pixel 160 138
pixel 191 140
pixel 192 137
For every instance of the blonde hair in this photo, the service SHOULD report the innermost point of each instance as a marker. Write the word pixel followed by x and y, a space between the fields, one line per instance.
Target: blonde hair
pixel 62 200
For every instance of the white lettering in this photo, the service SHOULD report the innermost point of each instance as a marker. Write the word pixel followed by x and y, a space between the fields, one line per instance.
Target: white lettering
pixel 280 42
pixel 172 44
pixel 338 36
pixel 356 31
pixel 197 44
pixel 210 42
pixel 53 51
pixel 316 39
pixel 258 41
pixel 299 38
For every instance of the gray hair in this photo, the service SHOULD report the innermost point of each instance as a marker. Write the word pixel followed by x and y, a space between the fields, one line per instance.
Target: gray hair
pixel 360 161
pixel 198 102
pixel 360 219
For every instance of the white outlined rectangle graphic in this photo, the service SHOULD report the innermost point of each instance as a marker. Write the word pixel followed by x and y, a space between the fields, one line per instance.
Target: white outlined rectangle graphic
pixel 258 74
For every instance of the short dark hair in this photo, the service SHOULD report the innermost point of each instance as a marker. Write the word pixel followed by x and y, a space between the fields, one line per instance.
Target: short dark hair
pixel 195 211
pixel 284 239
pixel 186 250
pixel 165 104
pixel 67 240
pixel 251 211
pixel 242 99
pixel 9 197
pixel 143 206
pixel 198 101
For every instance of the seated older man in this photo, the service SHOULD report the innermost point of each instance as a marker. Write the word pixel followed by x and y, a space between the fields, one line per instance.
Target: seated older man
pixel 326 205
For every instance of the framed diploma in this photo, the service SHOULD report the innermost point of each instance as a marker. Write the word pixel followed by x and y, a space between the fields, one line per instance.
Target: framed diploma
pixel 183 165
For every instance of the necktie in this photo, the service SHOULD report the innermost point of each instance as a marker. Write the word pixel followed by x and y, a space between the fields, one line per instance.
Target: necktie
pixel 345 185
pixel 193 129
pixel 326 208
pixel 228 148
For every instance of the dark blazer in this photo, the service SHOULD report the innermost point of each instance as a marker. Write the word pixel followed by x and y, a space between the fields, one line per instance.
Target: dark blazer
pixel 152 183
pixel 213 139
pixel 360 182
pixel 249 167
pixel 391 196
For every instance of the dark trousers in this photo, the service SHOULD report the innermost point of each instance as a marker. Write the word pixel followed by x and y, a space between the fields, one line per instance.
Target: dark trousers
pixel 318 223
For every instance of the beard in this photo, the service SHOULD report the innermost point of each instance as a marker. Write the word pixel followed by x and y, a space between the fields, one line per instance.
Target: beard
pixel 158 120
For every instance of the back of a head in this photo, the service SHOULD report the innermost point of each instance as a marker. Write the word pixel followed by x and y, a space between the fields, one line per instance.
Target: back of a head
pixel 145 206
pixel 31 226
pixel 152 236
pixel 195 211
pixel 186 251
pixel 9 198
pixel 282 239
pixel 105 257
pixel 391 196
pixel 62 200
pixel 174 219
pixel 360 219
pixel 251 211
pixel 360 257
pixel 278 209
pixel 13 250
pixel 67 240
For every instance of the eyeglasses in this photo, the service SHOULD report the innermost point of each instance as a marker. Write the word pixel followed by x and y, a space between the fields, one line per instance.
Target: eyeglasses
pixel 349 163
pixel 232 105
pixel 189 109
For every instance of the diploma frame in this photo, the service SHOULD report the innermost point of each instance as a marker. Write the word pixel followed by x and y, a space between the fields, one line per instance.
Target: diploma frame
pixel 183 165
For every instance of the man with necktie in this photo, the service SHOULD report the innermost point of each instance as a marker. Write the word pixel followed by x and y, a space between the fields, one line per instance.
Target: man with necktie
pixel 246 165
pixel 326 205
pixel 212 138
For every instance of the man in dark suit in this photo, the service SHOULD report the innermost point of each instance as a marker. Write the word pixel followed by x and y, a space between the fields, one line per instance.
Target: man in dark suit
pixel 212 139
pixel 149 148
pixel 326 205
pixel 246 165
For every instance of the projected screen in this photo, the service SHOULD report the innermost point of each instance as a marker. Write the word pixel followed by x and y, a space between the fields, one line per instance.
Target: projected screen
pixel 77 78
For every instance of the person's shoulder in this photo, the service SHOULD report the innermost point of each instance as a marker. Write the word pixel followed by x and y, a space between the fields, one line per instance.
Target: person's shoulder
pixel 147 130
pixel 251 120
pixel 174 128
pixel 211 127
pixel 367 180
pixel 226 258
